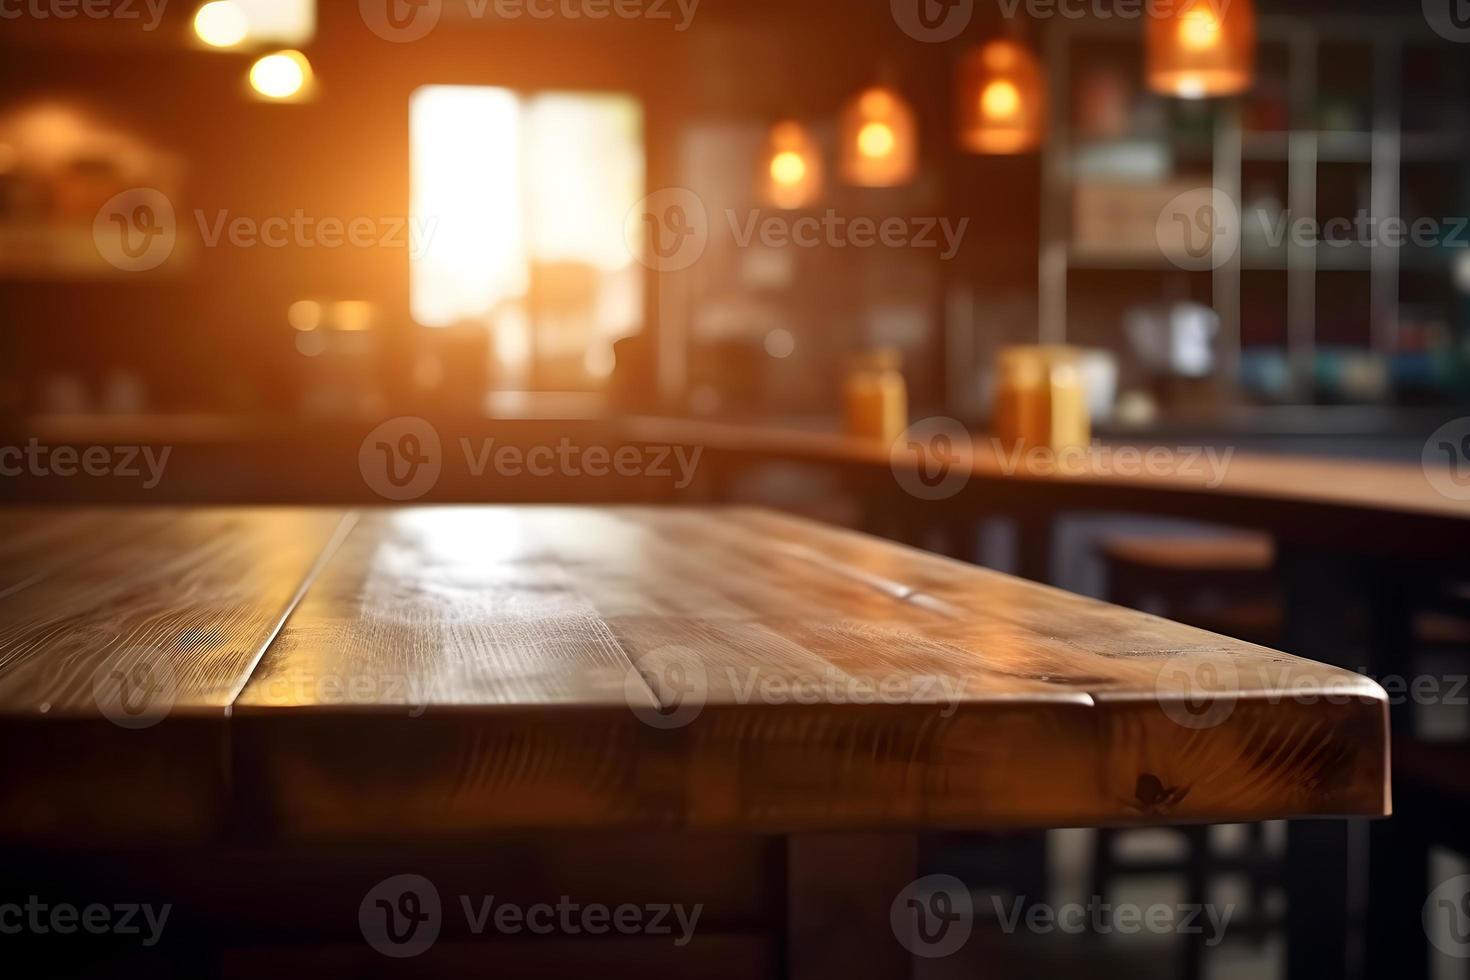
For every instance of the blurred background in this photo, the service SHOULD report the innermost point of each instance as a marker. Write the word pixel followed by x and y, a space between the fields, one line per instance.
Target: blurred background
pixel 488 167
pixel 253 230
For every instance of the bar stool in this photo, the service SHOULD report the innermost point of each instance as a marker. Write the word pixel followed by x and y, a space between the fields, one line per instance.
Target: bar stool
pixel 1431 794
pixel 1223 583
pixel 1226 584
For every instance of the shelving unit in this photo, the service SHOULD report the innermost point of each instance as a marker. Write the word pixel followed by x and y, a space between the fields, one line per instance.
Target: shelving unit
pixel 1330 155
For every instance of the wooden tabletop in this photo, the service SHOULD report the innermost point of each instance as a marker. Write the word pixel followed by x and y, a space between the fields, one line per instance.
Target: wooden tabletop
pixel 324 674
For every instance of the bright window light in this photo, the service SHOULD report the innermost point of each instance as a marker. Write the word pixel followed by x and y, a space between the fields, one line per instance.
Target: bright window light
pixel 522 201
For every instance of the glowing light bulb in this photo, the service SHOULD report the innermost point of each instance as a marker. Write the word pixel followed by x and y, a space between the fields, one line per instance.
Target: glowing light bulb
pixel 1190 88
pixel 1199 29
pixel 788 168
pixel 281 75
pixel 876 140
pixel 1000 100
pixel 793 168
pixel 221 24
pixel 878 136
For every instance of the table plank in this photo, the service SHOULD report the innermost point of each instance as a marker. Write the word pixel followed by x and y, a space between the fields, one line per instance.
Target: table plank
pixel 124 662
pixel 454 670
pixel 36 544
pixel 455 606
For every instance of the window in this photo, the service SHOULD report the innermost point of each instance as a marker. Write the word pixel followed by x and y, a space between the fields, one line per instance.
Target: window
pixel 523 201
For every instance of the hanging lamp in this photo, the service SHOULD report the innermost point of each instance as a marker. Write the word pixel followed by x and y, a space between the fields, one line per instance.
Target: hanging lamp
pixel 1002 99
pixel 1202 49
pixel 791 167
pixel 878 139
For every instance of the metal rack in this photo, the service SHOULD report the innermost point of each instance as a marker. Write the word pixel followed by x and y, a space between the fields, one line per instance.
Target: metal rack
pixel 1303 148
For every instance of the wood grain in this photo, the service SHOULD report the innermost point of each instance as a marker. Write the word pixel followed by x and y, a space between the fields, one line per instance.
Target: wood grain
pixel 839 682
pixel 445 672
pixel 131 649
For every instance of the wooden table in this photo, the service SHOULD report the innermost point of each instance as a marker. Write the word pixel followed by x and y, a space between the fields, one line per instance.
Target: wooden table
pixel 1349 534
pixel 261 682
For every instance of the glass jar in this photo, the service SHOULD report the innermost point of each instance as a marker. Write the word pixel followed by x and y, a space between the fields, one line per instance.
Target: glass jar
pixel 875 397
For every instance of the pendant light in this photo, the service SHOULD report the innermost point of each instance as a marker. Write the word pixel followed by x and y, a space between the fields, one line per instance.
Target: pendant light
pixel 791 167
pixel 879 139
pixel 1202 48
pixel 1002 99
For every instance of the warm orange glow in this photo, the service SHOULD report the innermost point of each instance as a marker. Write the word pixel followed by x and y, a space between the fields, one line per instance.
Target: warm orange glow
pixel 1205 49
pixel 221 24
pixel 282 76
pixel 879 139
pixel 1002 104
pixel 1000 100
pixel 788 168
pixel 1199 29
pixel 304 314
pixel 793 177
pixel 353 314
pixel 876 140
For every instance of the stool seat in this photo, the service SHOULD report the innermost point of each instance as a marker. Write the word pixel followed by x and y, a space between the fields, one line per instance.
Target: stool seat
pixel 1225 583
pixel 1195 553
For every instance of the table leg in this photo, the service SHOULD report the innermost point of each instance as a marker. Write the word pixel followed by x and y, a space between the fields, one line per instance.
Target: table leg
pixel 1398 849
pixel 1033 546
pixel 839 889
pixel 1326 860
